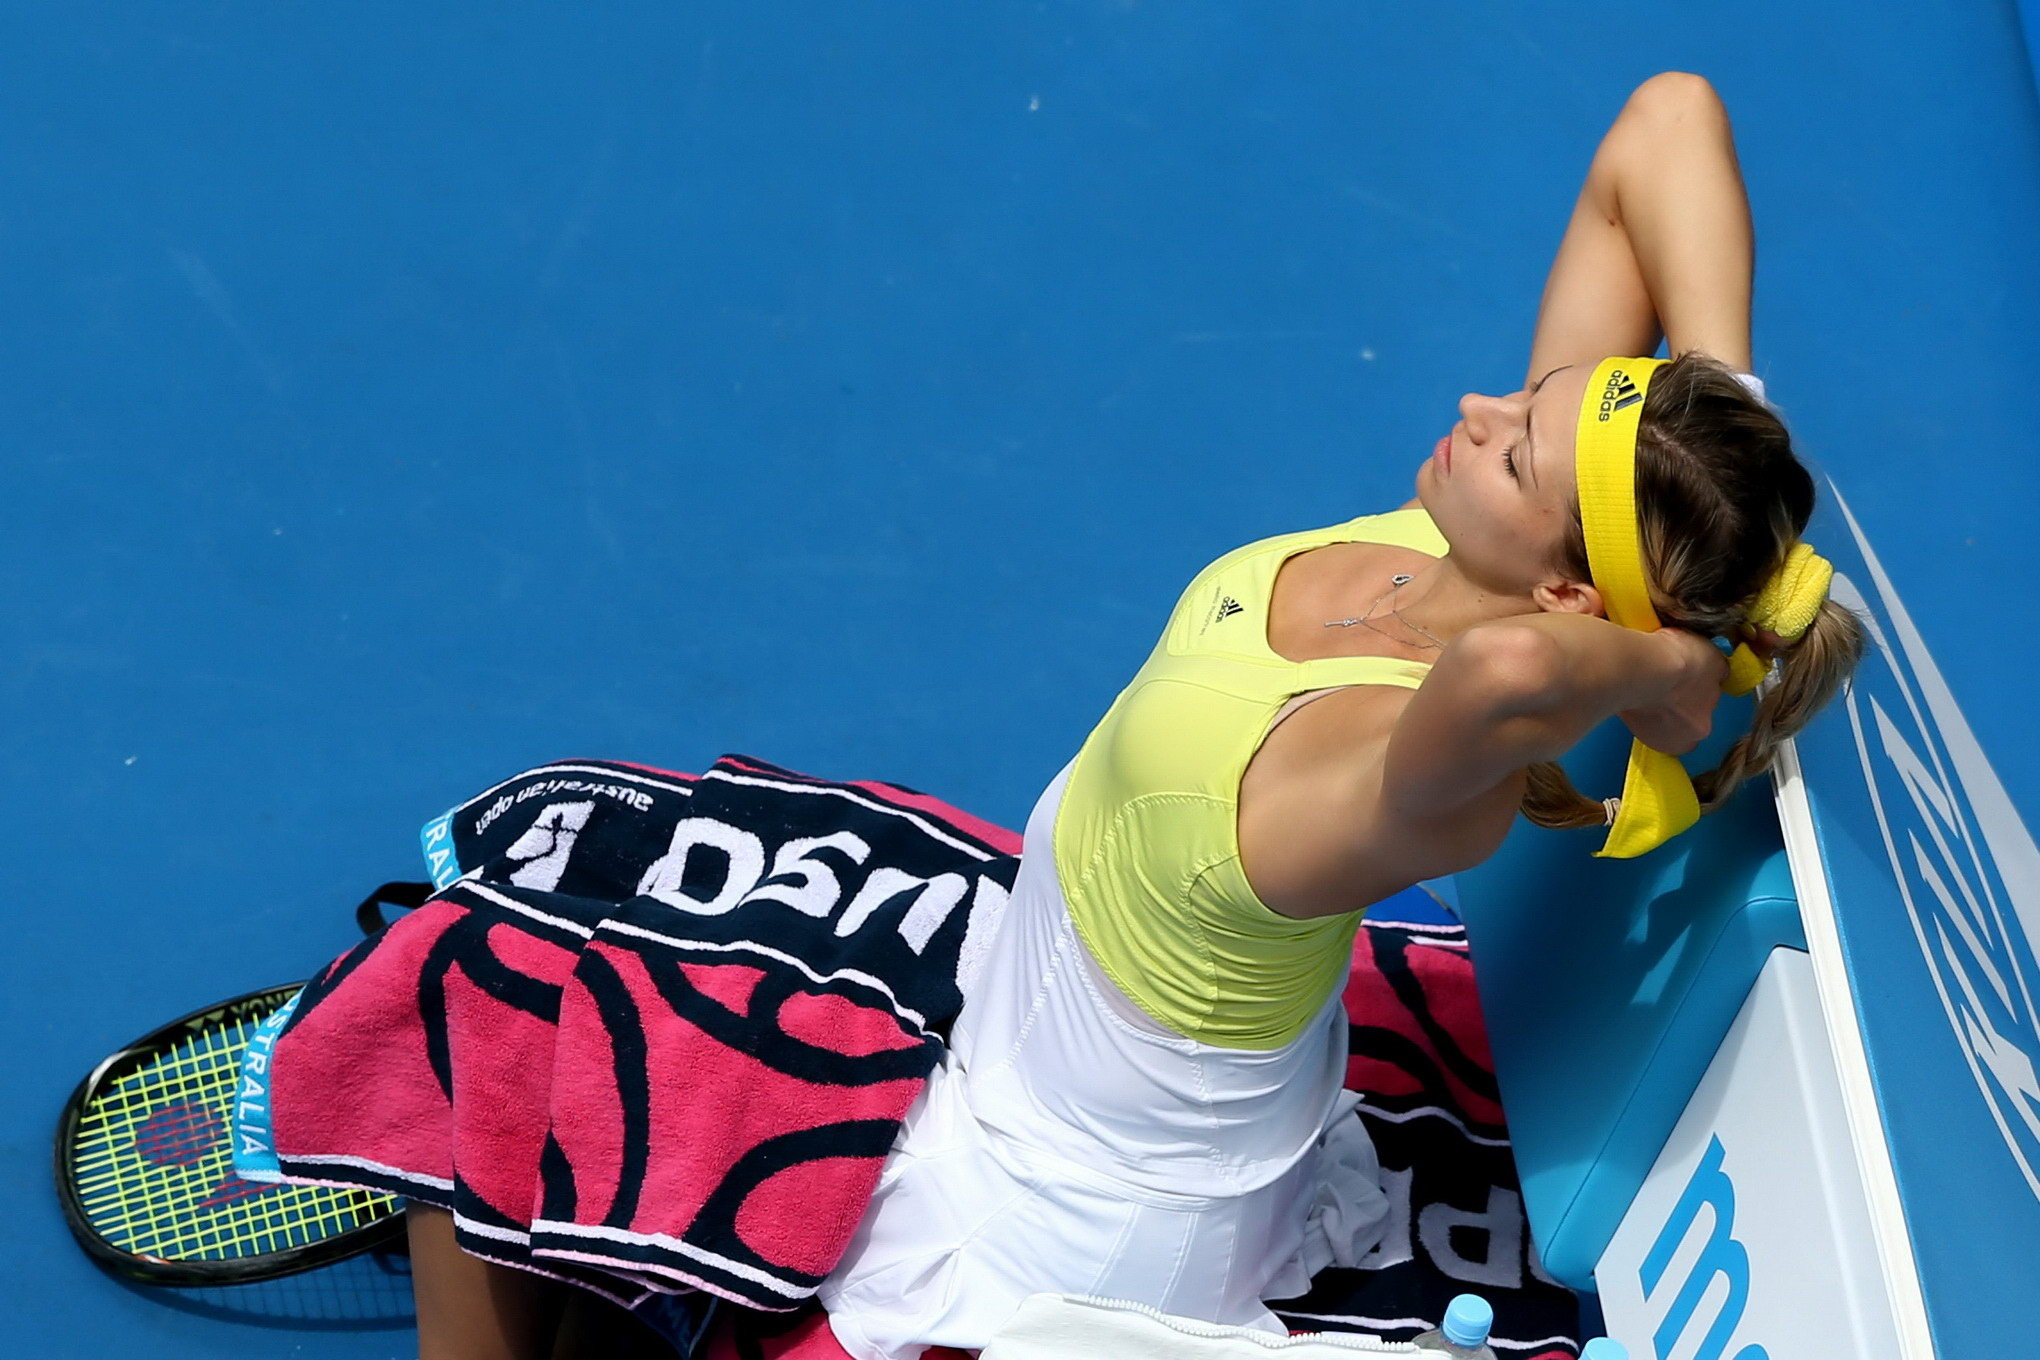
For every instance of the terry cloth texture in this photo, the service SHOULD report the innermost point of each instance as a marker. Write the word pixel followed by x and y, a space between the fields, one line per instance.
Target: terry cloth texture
pixel 654 1030
pixel 1421 1063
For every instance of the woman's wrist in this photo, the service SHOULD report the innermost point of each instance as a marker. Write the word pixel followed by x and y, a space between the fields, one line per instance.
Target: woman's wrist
pixel 1680 717
pixel 1757 389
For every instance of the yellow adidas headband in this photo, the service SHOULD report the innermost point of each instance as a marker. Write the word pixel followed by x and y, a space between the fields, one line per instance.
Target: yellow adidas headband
pixel 1658 801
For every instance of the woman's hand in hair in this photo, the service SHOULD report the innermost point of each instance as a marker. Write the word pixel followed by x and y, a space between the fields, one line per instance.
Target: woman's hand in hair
pixel 1683 718
pixel 1765 643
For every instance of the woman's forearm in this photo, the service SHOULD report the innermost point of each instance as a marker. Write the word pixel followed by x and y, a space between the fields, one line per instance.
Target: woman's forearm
pixel 1589 670
pixel 1517 691
pixel 1679 194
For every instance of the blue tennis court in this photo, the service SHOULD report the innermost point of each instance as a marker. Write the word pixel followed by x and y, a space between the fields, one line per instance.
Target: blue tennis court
pixel 402 396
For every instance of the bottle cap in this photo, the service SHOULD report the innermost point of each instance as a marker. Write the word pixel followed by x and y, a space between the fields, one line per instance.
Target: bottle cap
pixel 1467 1319
pixel 1605 1348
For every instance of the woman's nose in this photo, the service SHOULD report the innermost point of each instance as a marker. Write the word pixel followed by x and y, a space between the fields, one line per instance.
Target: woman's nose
pixel 1478 408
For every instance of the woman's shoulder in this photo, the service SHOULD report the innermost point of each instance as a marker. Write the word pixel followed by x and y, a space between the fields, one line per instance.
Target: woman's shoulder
pixel 1408 523
pixel 1406 526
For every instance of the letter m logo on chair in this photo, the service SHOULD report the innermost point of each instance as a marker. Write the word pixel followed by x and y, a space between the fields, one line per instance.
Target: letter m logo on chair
pixel 1720 1255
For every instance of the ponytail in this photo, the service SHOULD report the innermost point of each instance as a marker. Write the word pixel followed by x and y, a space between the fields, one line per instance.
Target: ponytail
pixel 1810 671
pixel 1550 800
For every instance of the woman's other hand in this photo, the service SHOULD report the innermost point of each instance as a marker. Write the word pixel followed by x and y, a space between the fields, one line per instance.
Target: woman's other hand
pixel 1678 194
pixel 1765 643
pixel 1683 718
pixel 1661 243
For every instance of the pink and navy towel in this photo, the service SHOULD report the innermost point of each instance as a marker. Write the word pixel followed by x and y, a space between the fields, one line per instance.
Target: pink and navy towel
pixel 652 1030
pixel 656 1030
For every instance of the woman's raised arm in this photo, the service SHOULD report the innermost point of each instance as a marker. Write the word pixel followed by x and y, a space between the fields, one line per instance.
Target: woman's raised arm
pixel 1513 692
pixel 1660 244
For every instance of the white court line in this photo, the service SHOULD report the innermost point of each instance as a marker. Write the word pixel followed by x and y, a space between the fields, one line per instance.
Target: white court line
pixel 1852 1060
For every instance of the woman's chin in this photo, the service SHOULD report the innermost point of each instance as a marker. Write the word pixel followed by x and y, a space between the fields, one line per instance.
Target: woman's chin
pixel 1426 490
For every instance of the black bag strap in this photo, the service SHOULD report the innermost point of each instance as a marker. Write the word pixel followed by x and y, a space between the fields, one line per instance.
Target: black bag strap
pixel 369 915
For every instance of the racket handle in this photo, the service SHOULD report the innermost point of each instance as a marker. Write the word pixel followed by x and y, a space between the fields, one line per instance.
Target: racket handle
pixel 369 915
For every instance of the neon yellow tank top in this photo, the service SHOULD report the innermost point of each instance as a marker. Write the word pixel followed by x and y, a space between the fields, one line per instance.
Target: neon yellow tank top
pixel 1146 839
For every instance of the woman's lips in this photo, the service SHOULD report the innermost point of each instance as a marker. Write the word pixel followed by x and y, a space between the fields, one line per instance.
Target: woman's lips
pixel 1443 453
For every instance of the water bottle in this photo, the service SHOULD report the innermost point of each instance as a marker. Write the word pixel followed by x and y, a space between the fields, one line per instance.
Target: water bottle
pixel 1605 1348
pixel 1464 1332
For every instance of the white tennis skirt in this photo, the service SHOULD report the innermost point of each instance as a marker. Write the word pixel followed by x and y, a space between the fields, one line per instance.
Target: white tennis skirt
pixel 1070 1144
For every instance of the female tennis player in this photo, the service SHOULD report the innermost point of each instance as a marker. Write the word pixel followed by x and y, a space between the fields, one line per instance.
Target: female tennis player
pixel 1142 1098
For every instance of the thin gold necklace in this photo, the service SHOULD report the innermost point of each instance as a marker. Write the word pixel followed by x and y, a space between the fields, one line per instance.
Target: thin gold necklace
pixel 1400 582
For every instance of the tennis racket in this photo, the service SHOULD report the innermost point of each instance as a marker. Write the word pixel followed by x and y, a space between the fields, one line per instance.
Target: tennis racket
pixel 145 1168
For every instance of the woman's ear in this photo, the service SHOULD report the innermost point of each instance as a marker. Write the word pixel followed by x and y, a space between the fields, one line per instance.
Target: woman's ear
pixel 1568 597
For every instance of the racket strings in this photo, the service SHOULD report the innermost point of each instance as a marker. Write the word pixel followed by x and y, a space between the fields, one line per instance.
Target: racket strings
pixel 153 1163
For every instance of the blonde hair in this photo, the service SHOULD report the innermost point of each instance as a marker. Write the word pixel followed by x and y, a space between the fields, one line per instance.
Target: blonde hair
pixel 1721 498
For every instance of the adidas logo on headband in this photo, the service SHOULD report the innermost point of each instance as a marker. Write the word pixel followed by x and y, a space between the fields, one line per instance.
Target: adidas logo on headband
pixel 1619 394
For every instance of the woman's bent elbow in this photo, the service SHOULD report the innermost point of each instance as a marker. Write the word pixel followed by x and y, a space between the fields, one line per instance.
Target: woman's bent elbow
pixel 1676 97
pixel 1510 670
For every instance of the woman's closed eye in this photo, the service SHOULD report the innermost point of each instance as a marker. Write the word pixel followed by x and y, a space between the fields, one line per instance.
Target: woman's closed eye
pixel 1509 462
